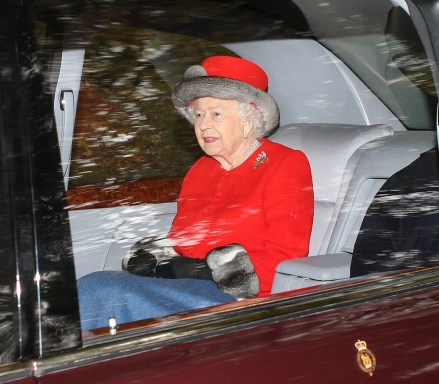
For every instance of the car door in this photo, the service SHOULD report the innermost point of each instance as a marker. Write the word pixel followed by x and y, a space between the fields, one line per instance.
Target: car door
pixel 381 328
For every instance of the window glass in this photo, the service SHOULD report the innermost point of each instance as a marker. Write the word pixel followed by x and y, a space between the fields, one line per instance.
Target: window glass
pixel 128 144
pixel 126 126
pixel 127 131
pixel 384 50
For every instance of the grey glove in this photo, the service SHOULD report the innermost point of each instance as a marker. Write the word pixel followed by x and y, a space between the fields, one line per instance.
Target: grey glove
pixel 233 271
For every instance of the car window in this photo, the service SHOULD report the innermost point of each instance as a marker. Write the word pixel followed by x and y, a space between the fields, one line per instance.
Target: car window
pixel 128 149
pixel 126 129
pixel 385 51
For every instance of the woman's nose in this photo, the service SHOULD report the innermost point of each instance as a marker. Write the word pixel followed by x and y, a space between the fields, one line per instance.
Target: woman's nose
pixel 202 123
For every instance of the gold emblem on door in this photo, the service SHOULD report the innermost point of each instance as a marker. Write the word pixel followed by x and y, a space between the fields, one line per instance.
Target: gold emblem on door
pixel 365 358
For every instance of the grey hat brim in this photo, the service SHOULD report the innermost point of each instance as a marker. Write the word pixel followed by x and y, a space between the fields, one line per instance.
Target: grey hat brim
pixel 226 89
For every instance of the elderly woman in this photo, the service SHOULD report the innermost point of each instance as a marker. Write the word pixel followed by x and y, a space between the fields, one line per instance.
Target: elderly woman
pixel 245 206
pixel 247 191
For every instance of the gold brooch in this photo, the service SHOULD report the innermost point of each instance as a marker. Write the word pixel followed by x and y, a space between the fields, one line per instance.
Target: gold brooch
pixel 365 358
pixel 262 157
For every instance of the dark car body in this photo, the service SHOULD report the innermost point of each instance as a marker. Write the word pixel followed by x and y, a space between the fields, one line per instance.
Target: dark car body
pixel 303 336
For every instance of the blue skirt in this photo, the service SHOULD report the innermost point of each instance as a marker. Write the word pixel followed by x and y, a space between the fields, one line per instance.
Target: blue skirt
pixel 129 297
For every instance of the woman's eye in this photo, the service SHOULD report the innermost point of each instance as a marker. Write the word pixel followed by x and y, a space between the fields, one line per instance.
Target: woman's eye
pixel 197 115
pixel 217 115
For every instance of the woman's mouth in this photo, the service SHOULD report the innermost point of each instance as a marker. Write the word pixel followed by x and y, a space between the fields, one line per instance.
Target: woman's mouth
pixel 209 139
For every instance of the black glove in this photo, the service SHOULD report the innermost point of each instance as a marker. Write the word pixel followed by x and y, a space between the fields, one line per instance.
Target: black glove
pixel 180 267
pixel 140 261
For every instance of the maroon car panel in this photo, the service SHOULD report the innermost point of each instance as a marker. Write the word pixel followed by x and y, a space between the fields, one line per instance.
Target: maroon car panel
pixel 401 332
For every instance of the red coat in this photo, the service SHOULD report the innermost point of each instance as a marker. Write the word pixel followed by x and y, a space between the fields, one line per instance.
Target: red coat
pixel 265 204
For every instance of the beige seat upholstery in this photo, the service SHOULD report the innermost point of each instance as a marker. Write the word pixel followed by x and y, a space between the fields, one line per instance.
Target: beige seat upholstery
pixel 369 167
pixel 329 148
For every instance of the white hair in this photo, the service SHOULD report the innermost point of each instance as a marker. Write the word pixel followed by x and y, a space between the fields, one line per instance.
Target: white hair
pixel 251 114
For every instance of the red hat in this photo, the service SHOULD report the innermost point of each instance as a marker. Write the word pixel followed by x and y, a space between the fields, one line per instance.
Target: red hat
pixel 237 69
pixel 227 78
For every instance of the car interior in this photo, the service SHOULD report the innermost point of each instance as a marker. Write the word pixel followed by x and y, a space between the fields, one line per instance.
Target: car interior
pixel 342 197
pixel 354 143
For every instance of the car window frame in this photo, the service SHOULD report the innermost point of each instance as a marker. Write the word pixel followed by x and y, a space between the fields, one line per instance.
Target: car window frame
pixel 148 323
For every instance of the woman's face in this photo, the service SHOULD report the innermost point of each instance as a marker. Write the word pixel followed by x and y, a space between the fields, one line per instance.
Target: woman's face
pixel 219 129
